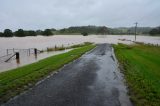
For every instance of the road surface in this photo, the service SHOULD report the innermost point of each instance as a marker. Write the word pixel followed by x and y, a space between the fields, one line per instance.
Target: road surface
pixel 92 80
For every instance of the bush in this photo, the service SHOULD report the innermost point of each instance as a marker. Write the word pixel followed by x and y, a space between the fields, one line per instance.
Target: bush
pixel 20 33
pixel 84 33
pixel 7 33
pixel 47 32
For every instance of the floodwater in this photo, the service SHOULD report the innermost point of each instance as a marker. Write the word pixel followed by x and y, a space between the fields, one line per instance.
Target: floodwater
pixel 41 43
pixel 27 59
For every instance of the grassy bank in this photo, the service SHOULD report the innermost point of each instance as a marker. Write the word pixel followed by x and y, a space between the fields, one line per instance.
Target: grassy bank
pixel 68 47
pixel 14 81
pixel 141 67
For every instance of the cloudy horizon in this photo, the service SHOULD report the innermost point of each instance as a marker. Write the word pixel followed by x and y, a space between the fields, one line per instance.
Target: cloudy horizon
pixel 42 14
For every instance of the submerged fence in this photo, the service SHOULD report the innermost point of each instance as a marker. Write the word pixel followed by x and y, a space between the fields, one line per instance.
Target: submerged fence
pixel 5 57
pixel 23 51
pixel 12 54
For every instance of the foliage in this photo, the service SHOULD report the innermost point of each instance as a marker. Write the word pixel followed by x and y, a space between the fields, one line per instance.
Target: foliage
pixel 30 33
pixel 84 29
pixel 69 47
pixel 1 34
pixel 103 30
pixel 47 32
pixel 20 33
pixel 81 45
pixel 56 48
pixel 84 33
pixel 7 33
pixel 39 32
pixel 140 65
pixel 155 31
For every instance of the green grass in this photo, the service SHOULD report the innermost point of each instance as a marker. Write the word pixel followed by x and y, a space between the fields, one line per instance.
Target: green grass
pixel 15 81
pixel 79 45
pixel 69 47
pixel 141 66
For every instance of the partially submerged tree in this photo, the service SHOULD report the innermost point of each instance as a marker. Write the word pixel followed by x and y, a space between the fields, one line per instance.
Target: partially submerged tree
pixel 84 33
pixel 7 33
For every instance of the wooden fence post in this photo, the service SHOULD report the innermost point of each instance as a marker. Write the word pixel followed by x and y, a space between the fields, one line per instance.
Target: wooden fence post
pixel 7 51
pixel 17 55
pixel 35 51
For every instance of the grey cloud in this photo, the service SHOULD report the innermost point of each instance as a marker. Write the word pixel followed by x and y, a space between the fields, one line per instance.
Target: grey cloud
pixel 41 14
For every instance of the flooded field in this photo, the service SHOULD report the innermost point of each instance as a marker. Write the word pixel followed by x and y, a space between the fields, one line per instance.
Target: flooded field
pixel 27 59
pixel 41 43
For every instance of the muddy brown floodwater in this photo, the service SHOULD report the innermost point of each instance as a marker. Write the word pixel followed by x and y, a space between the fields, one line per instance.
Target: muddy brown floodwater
pixel 41 42
pixel 92 80
pixel 26 59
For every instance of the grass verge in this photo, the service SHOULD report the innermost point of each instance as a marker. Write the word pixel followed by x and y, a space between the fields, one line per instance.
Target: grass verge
pixel 15 81
pixel 69 47
pixel 141 66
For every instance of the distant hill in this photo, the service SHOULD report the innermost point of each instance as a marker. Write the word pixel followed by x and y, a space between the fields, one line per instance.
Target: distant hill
pixel 131 30
pixel 84 29
pixel 103 30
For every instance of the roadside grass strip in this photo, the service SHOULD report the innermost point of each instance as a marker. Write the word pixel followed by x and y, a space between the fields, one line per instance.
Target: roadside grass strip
pixel 141 66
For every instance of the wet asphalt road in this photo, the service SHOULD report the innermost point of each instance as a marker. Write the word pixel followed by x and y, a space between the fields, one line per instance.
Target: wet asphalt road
pixel 92 80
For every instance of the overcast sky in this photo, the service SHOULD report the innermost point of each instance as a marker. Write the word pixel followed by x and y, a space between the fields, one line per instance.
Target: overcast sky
pixel 41 14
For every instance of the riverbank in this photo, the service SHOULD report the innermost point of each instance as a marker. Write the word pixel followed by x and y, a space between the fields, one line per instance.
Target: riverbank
pixel 140 65
pixel 17 80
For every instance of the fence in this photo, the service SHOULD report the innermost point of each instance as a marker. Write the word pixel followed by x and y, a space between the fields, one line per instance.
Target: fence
pixel 23 51
pixel 15 54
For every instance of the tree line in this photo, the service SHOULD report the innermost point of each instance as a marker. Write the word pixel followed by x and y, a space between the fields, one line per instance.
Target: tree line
pixel 155 31
pixel 83 30
pixel 103 30
pixel 23 33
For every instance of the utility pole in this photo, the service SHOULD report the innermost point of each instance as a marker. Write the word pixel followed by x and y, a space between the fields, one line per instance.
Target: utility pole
pixel 136 30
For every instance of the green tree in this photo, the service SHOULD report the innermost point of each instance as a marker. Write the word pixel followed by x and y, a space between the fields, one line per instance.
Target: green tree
pixel 20 33
pixel 84 33
pixel 47 32
pixel 102 30
pixel 1 34
pixel 53 29
pixel 64 30
pixel 8 33
pixel 30 33
pixel 39 32
pixel 155 31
